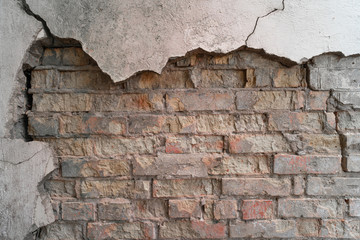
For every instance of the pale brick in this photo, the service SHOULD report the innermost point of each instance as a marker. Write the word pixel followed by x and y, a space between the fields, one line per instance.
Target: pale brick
pixel 348 121
pixel 354 207
pixel 340 228
pixel 310 208
pixel 43 126
pixel 257 209
pixel 352 143
pixel 85 80
pixel 352 163
pixel 258 143
pixel 195 144
pixel 290 77
pixel 308 227
pixel 256 186
pixel 270 100
pixel 215 124
pixel 60 188
pixel 115 188
pixel 69 102
pixel 225 209
pixel 237 165
pixel 162 124
pixel 184 208
pixel 110 147
pixel 294 164
pixel 171 165
pixel 336 186
pixel 329 78
pixel 321 143
pixel 299 185
pixel 72 146
pixel 78 211
pixel 134 230
pixel 199 101
pixel 350 99
pixel 100 168
pixel 192 230
pixel 182 187
pixel 115 210
pixel 219 78
pixel 317 100
pixel 250 123
pixel 263 229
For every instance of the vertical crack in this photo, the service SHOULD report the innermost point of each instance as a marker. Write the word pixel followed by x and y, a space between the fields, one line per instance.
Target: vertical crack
pixel 257 20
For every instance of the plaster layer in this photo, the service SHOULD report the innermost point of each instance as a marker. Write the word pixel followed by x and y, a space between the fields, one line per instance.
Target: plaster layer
pixel 128 36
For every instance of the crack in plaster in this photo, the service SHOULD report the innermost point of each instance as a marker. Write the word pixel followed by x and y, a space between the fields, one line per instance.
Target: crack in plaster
pixel 258 18
pixel 26 160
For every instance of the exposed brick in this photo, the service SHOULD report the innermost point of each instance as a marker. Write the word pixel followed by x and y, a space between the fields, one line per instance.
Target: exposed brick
pixel 258 143
pixel 352 143
pixel 63 230
pixel 256 186
pixel 162 124
pixel 115 188
pixel 85 80
pixel 72 146
pixel 299 185
pixel 184 208
pixel 135 230
pixel 60 188
pixel 78 211
pixel 308 227
pixel 167 79
pixel 340 228
pixel 250 123
pixel 336 186
pixel 100 168
pixel 182 187
pixel 90 124
pixel 151 209
pixel 110 147
pixel 310 208
pixel 171 165
pixel 263 229
pixel 195 144
pixel 354 207
pixel 74 57
pixel 45 79
pixel 235 164
pixel 225 209
pixel 348 121
pixel 352 163
pixel 218 78
pixel 294 164
pixel 317 100
pixel 329 78
pixel 290 77
pixel 270 100
pixel 349 99
pixel 52 56
pixel 298 121
pixel 66 102
pixel 321 143
pixel 257 209
pixel 192 230
pixel 199 100
pixel 115 210
pixel 215 124
pixel 43 126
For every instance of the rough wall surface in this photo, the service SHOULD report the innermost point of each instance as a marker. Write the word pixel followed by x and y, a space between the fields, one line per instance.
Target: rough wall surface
pixel 216 147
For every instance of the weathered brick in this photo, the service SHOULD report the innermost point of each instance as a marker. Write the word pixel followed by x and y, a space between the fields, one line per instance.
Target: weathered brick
pixel 52 56
pixel 352 163
pixel 336 186
pixel 90 124
pixel 171 165
pixel 43 126
pixel 151 209
pixel 330 78
pixel 256 186
pixel 308 227
pixel 263 229
pixel 340 228
pixel 225 209
pixel 199 101
pixel 218 78
pixel 299 185
pixel 110 147
pixel 350 99
pixel 45 79
pixel 100 168
pixel 294 164
pixel 320 143
pixel 142 102
pixel 258 143
pixel 115 188
pixel 290 77
pixel 134 230
pixel 167 79
pixel 65 102
pixel 182 187
pixel 317 100
pixel 85 80
pixel 78 211
pixel 270 100
pixel 352 143
pixel 60 188
pixel 310 208
pixel 162 124
pixel 115 210
pixel 354 207
pixel 299 121
pixel 348 121
pixel 257 209
pixel 71 146
pixel 250 123
pixel 195 144
pixel 63 230
pixel 192 230
pixel 239 165
pixel 215 124
pixel 184 208
pixel 259 77
pixel 74 56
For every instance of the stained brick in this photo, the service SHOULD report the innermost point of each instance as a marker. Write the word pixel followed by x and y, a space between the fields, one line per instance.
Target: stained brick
pixel 43 126
pixel 258 143
pixel 184 208
pixel 263 229
pixel 60 188
pixel 336 186
pixel 75 57
pixel 317 100
pixel 290 77
pixel 257 209
pixel 151 209
pixel 78 211
pixel 195 144
pixel 215 124
pixel 115 210
pixel 225 209
pixel 250 123
pixel 66 102
pixel 182 187
pixel 219 78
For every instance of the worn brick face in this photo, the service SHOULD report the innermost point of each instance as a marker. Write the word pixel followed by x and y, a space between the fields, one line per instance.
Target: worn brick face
pixel 257 209
pixel 78 211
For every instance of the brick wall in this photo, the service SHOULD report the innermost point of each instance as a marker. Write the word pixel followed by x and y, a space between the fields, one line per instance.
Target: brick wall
pixel 216 147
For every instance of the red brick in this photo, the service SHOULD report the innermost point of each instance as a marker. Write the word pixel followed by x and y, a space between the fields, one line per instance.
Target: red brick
pixel 78 211
pixel 257 209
